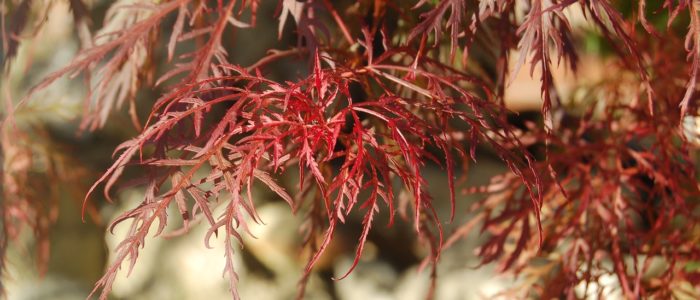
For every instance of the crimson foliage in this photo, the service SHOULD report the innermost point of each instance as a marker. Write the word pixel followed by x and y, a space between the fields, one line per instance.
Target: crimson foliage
pixel 605 184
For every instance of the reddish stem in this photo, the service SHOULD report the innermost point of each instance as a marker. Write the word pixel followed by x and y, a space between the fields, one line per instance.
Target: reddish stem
pixel 339 21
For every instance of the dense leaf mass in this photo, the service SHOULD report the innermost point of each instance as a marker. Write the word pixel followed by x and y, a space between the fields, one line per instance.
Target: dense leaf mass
pixel 604 184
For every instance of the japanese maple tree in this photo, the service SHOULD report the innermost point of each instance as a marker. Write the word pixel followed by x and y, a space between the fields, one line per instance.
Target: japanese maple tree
pixel 603 183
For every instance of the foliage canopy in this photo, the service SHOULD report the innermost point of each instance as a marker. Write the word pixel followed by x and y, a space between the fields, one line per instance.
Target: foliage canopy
pixel 604 183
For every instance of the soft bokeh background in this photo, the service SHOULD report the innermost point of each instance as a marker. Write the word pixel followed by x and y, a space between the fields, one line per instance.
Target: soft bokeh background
pixel 182 267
